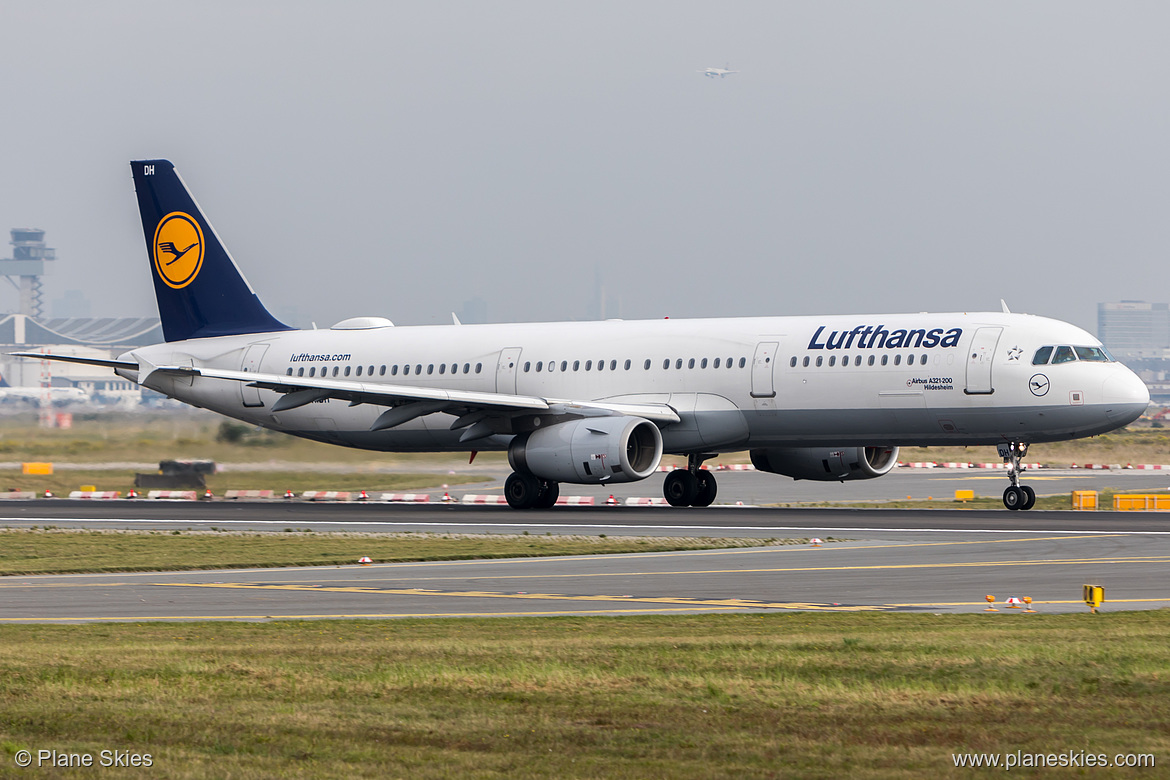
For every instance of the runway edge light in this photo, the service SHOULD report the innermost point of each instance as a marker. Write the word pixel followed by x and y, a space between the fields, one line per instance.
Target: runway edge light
pixel 365 560
pixel 990 603
pixel 1094 596
pixel 1014 603
pixel 1028 601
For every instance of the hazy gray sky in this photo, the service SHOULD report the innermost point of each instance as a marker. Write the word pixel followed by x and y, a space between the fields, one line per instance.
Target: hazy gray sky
pixel 398 159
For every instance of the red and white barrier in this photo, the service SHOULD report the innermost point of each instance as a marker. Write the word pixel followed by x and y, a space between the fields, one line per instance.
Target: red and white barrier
pixel 87 494
pixel 1148 466
pixel 576 501
pixel 17 495
pixel 473 498
pixel 956 465
pixel 174 495
pixel 327 495
pixel 646 502
pixel 735 467
pixel 406 498
pixel 249 494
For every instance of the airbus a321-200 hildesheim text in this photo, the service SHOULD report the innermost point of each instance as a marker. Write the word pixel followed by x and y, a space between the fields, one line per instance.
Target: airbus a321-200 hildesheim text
pixel 820 398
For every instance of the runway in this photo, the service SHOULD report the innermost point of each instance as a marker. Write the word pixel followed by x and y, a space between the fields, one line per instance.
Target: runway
pixel 893 560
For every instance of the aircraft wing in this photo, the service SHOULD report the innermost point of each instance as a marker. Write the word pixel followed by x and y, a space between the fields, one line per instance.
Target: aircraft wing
pixel 405 401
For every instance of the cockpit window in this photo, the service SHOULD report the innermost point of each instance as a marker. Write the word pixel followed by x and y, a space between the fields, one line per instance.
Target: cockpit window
pixel 1042 356
pixel 1064 355
pixel 1092 353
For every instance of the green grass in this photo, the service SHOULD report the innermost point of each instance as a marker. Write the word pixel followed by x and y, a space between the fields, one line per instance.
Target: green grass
pixel 58 551
pixel 745 696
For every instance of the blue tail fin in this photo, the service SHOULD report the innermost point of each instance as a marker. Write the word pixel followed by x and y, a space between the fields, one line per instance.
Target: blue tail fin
pixel 199 289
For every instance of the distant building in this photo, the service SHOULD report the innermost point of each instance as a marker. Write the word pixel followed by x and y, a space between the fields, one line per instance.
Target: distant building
pixel 1135 329
pixel 1138 334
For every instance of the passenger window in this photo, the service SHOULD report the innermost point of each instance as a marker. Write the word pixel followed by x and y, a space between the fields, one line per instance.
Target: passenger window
pixel 382 370
pixel 613 365
pixel 539 366
pixel 1094 354
pixel 871 360
pixel 742 362
pixel 730 361
pixel 897 360
pixel 359 370
pixel 628 364
pixel 832 360
pixel 370 371
pixel 885 359
pixel 805 361
pixel 347 370
pixel 909 360
pixel 600 365
pixel 857 360
pixel 646 365
pixel 845 361
pixel 691 363
pixel 716 362
pixel 467 368
pixel 431 368
pixel 1063 355
pixel 313 371
pixel 418 368
pixel 478 367
pixel 393 370
pixel 922 359
pixel 527 365
pixel 792 363
pixel 442 368
pixel 820 358
pixel 301 371
pixel 335 370
pixel 564 365
pixel 666 363
pixel 406 370
pixel 1041 356
pixel 678 363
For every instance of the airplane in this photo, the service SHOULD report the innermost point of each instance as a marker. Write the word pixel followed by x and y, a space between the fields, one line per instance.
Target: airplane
pixel 33 395
pixel 720 72
pixel 827 398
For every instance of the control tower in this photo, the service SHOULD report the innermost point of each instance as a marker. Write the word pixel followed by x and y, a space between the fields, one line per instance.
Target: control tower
pixel 26 267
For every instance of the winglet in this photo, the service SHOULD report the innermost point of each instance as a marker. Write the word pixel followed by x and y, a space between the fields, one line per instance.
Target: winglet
pixel 1003 303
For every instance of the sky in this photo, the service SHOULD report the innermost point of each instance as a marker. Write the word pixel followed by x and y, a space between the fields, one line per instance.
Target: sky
pixel 401 159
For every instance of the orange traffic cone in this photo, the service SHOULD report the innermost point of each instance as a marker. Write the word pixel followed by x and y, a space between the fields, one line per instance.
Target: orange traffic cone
pixel 611 501
pixel 289 494
pixel 363 496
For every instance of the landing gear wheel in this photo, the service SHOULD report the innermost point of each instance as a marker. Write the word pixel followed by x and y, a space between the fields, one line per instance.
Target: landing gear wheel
pixel 680 488
pixel 707 489
pixel 1029 497
pixel 547 496
pixel 521 490
pixel 1014 498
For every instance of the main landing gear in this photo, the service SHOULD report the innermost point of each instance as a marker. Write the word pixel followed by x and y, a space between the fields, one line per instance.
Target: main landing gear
pixel 690 486
pixel 1017 496
pixel 525 491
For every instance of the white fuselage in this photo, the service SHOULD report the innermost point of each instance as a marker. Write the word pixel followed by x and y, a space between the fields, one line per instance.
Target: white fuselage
pixel 736 383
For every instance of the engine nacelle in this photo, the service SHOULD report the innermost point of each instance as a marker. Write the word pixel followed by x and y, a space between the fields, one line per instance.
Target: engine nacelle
pixel 826 464
pixel 589 451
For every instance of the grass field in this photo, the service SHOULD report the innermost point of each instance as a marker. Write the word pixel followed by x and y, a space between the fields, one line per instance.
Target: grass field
pixel 52 551
pixel 745 696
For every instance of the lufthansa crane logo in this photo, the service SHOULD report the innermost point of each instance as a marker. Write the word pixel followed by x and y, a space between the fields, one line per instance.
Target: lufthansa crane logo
pixel 178 249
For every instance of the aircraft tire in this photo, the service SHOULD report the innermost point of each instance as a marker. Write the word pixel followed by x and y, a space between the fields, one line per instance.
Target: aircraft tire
pixel 708 489
pixel 680 488
pixel 1029 497
pixel 521 490
pixel 546 497
pixel 1013 498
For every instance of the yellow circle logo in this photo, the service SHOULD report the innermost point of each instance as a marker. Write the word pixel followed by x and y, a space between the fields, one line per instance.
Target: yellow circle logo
pixel 178 249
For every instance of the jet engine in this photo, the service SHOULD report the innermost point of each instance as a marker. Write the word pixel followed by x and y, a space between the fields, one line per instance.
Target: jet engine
pixel 825 463
pixel 589 451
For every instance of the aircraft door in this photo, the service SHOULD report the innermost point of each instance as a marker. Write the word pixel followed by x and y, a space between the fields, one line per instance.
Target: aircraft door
pixel 250 396
pixel 979 358
pixel 506 370
pixel 762 365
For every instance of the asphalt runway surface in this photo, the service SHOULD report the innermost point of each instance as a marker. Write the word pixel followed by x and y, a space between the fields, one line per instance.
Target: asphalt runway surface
pixel 889 560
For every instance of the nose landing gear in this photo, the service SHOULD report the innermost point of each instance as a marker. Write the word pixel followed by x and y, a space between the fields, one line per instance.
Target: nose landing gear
pixel 1017 496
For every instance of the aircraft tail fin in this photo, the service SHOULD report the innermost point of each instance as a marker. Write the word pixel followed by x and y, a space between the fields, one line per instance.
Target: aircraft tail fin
pixel 4 382
pixel 199 289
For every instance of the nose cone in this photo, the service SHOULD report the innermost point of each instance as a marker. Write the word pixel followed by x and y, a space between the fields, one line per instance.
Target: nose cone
pixel 1125 395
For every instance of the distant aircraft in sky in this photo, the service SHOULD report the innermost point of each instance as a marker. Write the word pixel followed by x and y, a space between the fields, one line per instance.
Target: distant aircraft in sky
pixel 811 397
pixel 720 72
